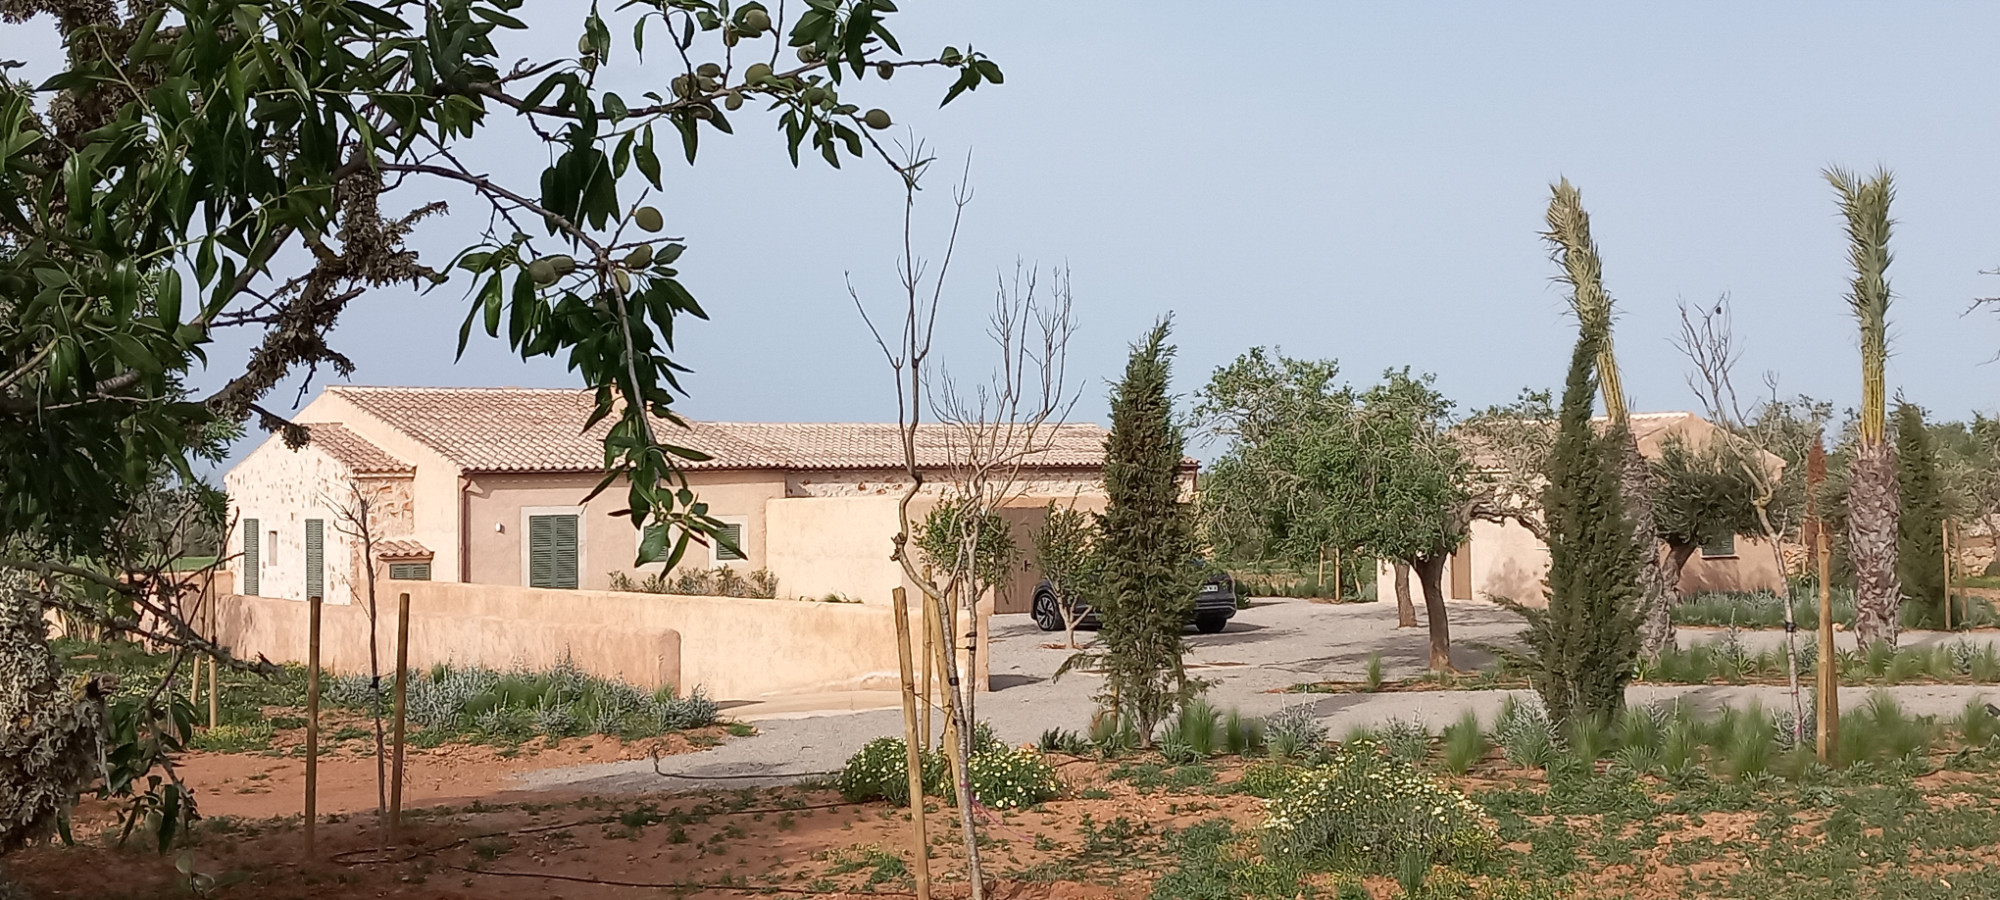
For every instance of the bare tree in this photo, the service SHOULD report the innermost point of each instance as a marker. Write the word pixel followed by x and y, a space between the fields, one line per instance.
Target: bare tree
pixel 354 517
pixel 987 433
pixel 1708 340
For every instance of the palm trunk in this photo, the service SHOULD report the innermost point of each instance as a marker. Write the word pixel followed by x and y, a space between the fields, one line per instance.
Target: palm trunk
pixel 1406 615
pixel 1430 574
pixel 1872 507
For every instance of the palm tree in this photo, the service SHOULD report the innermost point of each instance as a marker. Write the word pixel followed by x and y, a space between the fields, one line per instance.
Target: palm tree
pixel 1872 498
pixel 1571 246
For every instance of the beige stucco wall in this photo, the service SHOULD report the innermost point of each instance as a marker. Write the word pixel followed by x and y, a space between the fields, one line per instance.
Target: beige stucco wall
pixel 735 649
pixel 822 545
pixel 841 544
pixel 1510 562
pixel 606 543
pixel 1753 568
pixel 281 488
pixel 435 506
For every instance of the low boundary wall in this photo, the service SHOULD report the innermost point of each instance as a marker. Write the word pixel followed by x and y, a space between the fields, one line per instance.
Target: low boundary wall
pixel 734 648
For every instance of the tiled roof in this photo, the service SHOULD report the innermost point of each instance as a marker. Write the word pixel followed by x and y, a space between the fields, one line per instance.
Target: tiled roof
pixel 401 550
pixel 540 430
pixel 355 452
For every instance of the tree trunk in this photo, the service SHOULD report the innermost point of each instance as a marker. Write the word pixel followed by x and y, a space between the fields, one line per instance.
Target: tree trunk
pixel 1675 563
pixel 1406 615
pixel 1656 592
pixel 1872 507
pixel 1430 574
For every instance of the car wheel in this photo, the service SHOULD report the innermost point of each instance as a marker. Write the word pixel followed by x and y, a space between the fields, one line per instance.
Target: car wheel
pixel 1210 624
pixel 1047 618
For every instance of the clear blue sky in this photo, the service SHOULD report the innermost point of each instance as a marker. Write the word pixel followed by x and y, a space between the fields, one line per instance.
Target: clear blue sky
pixel 1357 181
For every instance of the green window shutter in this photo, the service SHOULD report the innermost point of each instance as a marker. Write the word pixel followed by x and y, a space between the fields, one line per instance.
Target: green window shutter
pixel 252 559
pixel 1722 547
pixel 410 571
pixel 729 543
pixel 552 551
pixel 315 558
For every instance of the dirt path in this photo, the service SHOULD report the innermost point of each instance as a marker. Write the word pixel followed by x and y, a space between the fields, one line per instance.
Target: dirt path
pixel 271 784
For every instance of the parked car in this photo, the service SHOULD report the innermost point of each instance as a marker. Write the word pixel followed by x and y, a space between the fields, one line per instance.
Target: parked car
pixel 1213 606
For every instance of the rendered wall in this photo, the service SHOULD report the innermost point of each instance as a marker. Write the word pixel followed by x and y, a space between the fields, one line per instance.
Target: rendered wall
pixel 607 543
pixel 434 508
pixel 735 649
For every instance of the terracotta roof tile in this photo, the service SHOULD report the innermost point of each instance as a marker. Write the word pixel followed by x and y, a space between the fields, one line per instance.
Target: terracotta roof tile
pixel 355 452
pixel 531 429
pixel 400 549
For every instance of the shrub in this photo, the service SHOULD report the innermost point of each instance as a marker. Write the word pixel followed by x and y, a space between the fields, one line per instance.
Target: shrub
pixel 1191 736
pixel 879 771
pixel 234 738
pixel 1002 777
pixel 1063 740
pixel 1011 778
pixel 721 581
pixel 1374 672
pixel 1267 779
pixel 1464 743
pixel 1407 740
pixel 1524 734
pixel 1242 735
pixel 1367 809
pixel 1293 731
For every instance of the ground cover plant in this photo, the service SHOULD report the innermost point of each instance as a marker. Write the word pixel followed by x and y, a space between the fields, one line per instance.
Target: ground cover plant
pixel 446 703
pixel 1761 609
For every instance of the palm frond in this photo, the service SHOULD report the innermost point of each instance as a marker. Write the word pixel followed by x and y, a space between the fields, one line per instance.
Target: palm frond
pixel 1582 272
pixel 1864 204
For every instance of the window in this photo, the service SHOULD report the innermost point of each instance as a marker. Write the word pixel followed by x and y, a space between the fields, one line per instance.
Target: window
pixel 315 558
pixel 252 559
pixel 552 551
pixel 271 547
pixel 410 571
pixel 727 544
pixel 1722 547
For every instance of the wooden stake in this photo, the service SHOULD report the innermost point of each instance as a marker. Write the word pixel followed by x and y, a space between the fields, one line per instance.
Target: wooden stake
pixel 1944 540
pixel 215 637
pixel 1828 714
pixel 914 760
pixel 929 661
pixel 402 716
pixel 312 721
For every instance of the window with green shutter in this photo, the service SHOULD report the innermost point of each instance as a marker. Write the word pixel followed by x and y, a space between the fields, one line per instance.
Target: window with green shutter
pixel 253 561
pixel 412 571
pixel 552 559
pixel 1720 548
pixel 315 558
pixel 729 542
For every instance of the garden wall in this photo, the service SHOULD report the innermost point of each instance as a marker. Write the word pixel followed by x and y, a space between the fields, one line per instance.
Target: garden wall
pixel 734 648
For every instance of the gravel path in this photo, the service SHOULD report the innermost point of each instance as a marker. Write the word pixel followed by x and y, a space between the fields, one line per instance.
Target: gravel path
pixel 1267 648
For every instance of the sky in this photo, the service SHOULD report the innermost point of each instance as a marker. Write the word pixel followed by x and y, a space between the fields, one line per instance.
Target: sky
pixel 1357 181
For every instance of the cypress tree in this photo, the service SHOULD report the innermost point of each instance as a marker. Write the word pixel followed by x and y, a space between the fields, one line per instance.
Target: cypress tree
pixel 1147 545
pixel 1584 646
pixel 1920 529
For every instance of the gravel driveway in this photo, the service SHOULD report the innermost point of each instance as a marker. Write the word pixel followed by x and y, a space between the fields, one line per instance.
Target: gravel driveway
pixel 1266 648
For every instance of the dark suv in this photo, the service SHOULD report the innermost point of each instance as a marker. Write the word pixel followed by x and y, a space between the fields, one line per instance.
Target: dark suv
pixel 1213 606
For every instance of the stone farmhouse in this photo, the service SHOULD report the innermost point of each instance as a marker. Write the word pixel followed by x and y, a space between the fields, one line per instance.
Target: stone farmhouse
pixel 487 486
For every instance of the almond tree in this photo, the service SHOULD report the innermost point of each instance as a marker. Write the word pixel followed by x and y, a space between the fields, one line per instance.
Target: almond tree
pixel 1872 496
pixel 196 167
